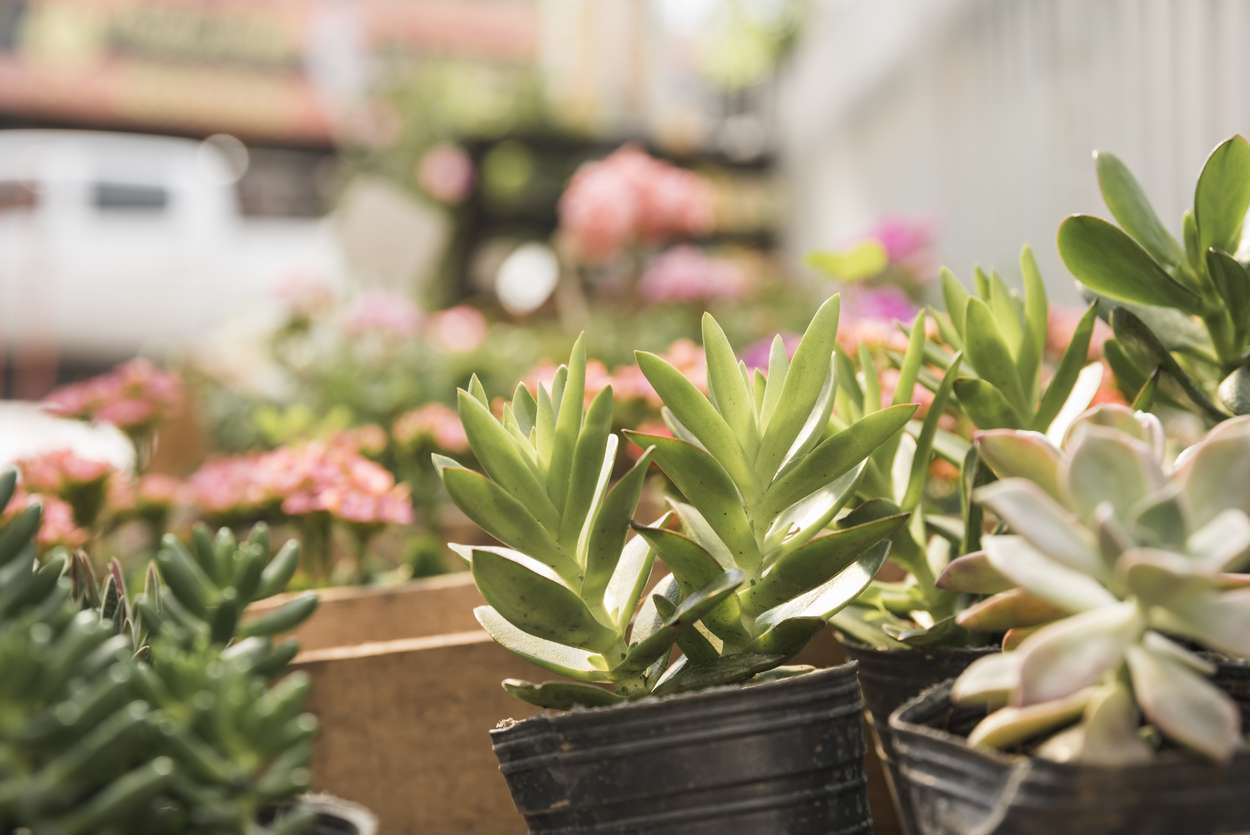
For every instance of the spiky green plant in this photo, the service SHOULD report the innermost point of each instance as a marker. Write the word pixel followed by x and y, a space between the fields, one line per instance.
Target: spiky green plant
pixel 1120 563
pixel 1181 312
pixel 761 476
pixel 109 726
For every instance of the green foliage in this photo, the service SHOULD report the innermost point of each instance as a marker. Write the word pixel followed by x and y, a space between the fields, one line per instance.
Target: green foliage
pixel 761 474
pixel 113 722
pixel 1116 552
pixel 1180 312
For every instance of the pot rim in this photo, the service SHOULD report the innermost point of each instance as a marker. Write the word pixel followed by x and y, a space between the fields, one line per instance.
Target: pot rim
pixel 851 642
pixel 578 715
pixel 365 822
pixel 902 726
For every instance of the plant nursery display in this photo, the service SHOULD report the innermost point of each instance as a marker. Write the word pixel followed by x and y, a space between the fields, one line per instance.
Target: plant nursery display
pixel 154 713
pixel 760 476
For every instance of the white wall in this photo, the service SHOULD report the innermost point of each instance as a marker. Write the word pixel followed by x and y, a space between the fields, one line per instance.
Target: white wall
pixel 981 115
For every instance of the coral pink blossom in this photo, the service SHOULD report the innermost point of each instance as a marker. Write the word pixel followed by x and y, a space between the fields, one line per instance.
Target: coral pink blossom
pixel 445 173
pixel 133 395
pixel 629 198
pixel 56 522
pixel 56 472
pixel 149 492
pixel 379 312
pixel 434 423
pixel 458 329
pixel 305 296
pixel 688 274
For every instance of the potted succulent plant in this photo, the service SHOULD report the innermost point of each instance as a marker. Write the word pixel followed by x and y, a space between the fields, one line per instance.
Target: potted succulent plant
pixel 753 576
pixel 909 634
pixel 1180 311
pixel 124 716
pixel 1117 705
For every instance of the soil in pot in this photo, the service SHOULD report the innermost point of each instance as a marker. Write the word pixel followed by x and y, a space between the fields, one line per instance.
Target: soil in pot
pixel 891 677
pixel 955 790
pixel 782 756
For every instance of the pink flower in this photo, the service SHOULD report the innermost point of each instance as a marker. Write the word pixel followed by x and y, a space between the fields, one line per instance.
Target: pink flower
pixel 688 274
pixel 884 303
pixel 445 173
pixel 57 472
pixel 458 329
pixel 629 198
pixel 433 423
pixel 133 396
pixel 757 353
pixel 903 240
pixel 387 314
pixel 146 493
pixel 368 440
pixel 304 295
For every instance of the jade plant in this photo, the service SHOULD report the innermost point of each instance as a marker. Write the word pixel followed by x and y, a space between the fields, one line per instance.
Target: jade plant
pixel 1180 309
pixel 754 574
pixel 1116 587
pixel 114 723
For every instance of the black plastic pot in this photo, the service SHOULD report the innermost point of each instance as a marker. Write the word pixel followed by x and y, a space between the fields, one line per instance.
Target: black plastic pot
pixel 783 756
pixel 890 678
pixel 955 790
pixel 338 817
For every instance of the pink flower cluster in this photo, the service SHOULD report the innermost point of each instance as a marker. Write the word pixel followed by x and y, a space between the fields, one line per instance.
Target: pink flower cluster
pixel 154 491
pixel 458 329
pixel 60 471
pixel 432 423
pixel 300 480
pixel 688 274
pixel 908 244
pixel 628 198
pixel 134 395
pixel 56 524
pixel 445 173
pixel 305 296
pixel 384 313
pixel 628 382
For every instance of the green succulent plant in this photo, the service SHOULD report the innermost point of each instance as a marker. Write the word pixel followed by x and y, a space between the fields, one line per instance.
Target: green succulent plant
pixel 1180 311
pixel 111 724
pixel 1121 565
pixel 760 474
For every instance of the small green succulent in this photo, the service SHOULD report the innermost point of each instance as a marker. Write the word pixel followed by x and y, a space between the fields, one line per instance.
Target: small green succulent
pixel 1121 564
pixel 761 476
pixel 121 716
pixel 1181 312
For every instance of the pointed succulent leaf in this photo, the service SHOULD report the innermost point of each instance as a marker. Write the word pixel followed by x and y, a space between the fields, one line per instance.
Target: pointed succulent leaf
pixel 1111 729
pixel 593 456
pixel 569 409
pixel 1027 455
pixel 694 569
pixel 1163 646
pixel 1183 705
pixel 805 378
pixel 567 661
pixel 1009 726
pixel 1216 619
pixel 729 389
pixel 803 520
pixel 1211 473
pixel 561 695
pixel 1104 465
pixel 1223 544
pixel 989 353
pixel 826 600
pixel 920 463
pixel 609 527
pixel 778 366
pixel 624 589
pixel 1046 525
pixel 1223 195
pixel 816 563
pixel 1113 265
pixel 991 678
pixel 1009 610
pixel 688 612
pixel 973 574
pixel 985 405
pixel 1132 210
pixel 710 489
pixel 730 669
pixel 1045 577
pixel 834 457
pixel 541 606
pixel 1062 386
pixel 1076 652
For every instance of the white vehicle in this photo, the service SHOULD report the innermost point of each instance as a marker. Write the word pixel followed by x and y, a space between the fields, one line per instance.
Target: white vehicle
pixel 113 244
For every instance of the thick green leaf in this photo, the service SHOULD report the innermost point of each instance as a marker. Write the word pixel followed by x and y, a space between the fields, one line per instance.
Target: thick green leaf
pixel 1061 385
pixel 1234 285
pixel 808 374
pixel 816 563
pixel 1111 264
pixel 729 390
pixel 698 416
pixel 589 468
pixel 956 299
pixel 1045 577
pixel 709 488
pixel 561 695
pixel 803 520
pixel 826 600
pixel 1183 706
pixel 565 660
pixel 609 527
pixel 568 423
pixel 1021 454
pixel 1008 314
pixel 778 366
pixel 834 457
pixel 920 462
pixel 542 606
pixel 912 361
pixel 985 405
pixel 1234 391
pixel 1138 339
pixel 689 612
pixel 1036 319
pixel 1223 195
pixel 1132 210
pixel 989 353
pixel 505 518
pixel 730 669
pixel 496 451
pixel 620 598
pixel 1076 652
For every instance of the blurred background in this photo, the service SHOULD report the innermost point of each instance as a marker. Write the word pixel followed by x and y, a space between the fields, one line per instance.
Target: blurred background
pixel 316 218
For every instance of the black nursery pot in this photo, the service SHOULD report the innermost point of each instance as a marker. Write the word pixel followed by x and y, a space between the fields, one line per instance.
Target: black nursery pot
pixel 956 790
pixel 783 756
pixel 891 677
pixel 338 817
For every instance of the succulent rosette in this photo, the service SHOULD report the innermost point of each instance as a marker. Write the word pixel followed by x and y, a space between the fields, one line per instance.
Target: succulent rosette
pixel 1119 579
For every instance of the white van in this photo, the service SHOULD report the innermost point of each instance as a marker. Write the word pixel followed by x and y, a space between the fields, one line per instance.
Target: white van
pixel 113 243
